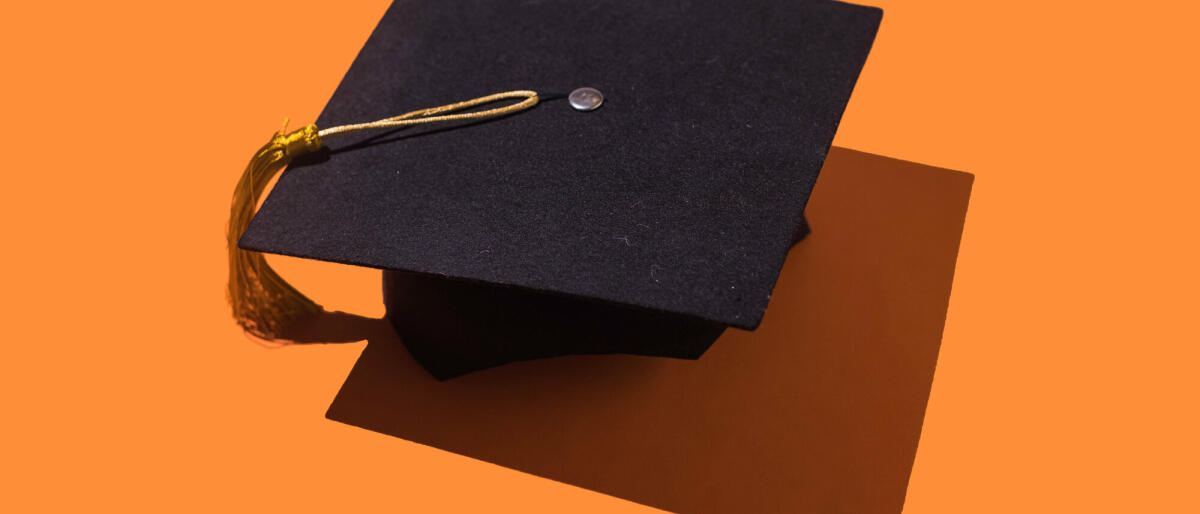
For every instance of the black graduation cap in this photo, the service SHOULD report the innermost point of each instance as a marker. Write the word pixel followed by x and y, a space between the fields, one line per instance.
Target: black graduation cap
pixel 645 226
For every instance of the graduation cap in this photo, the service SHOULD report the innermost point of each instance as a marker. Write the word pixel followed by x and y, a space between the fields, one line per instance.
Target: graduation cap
pixel 635 188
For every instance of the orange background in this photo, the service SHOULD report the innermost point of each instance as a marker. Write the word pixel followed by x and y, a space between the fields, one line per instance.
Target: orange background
pixel 1067 375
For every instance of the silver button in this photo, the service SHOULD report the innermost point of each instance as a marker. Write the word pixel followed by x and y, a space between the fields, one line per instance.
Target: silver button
pixel 586 99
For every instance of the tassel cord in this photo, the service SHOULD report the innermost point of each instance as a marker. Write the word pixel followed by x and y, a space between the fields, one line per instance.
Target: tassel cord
pixel 434 114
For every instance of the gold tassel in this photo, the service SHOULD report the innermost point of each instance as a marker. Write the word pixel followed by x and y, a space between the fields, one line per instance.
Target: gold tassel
pixel 263 302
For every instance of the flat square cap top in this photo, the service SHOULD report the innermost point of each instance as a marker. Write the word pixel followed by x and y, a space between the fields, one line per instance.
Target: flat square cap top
pixel 679 194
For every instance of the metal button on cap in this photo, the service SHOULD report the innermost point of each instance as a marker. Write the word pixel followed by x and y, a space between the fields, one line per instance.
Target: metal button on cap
pixel 586 99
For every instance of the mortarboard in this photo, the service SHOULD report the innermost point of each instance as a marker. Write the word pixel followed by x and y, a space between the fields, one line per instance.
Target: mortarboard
pixel 635 189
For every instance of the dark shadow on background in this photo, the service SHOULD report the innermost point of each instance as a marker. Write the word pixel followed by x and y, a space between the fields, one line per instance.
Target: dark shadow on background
pixel 819 410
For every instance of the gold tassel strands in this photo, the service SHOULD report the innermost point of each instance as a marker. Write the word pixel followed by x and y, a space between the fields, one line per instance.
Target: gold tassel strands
pixel 263 303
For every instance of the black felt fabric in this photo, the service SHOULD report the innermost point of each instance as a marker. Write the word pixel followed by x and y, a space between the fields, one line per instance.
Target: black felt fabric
pixel 681 193
pixel 453 327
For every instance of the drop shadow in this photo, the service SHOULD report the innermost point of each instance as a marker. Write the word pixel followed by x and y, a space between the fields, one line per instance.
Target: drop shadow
pixel 819 410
